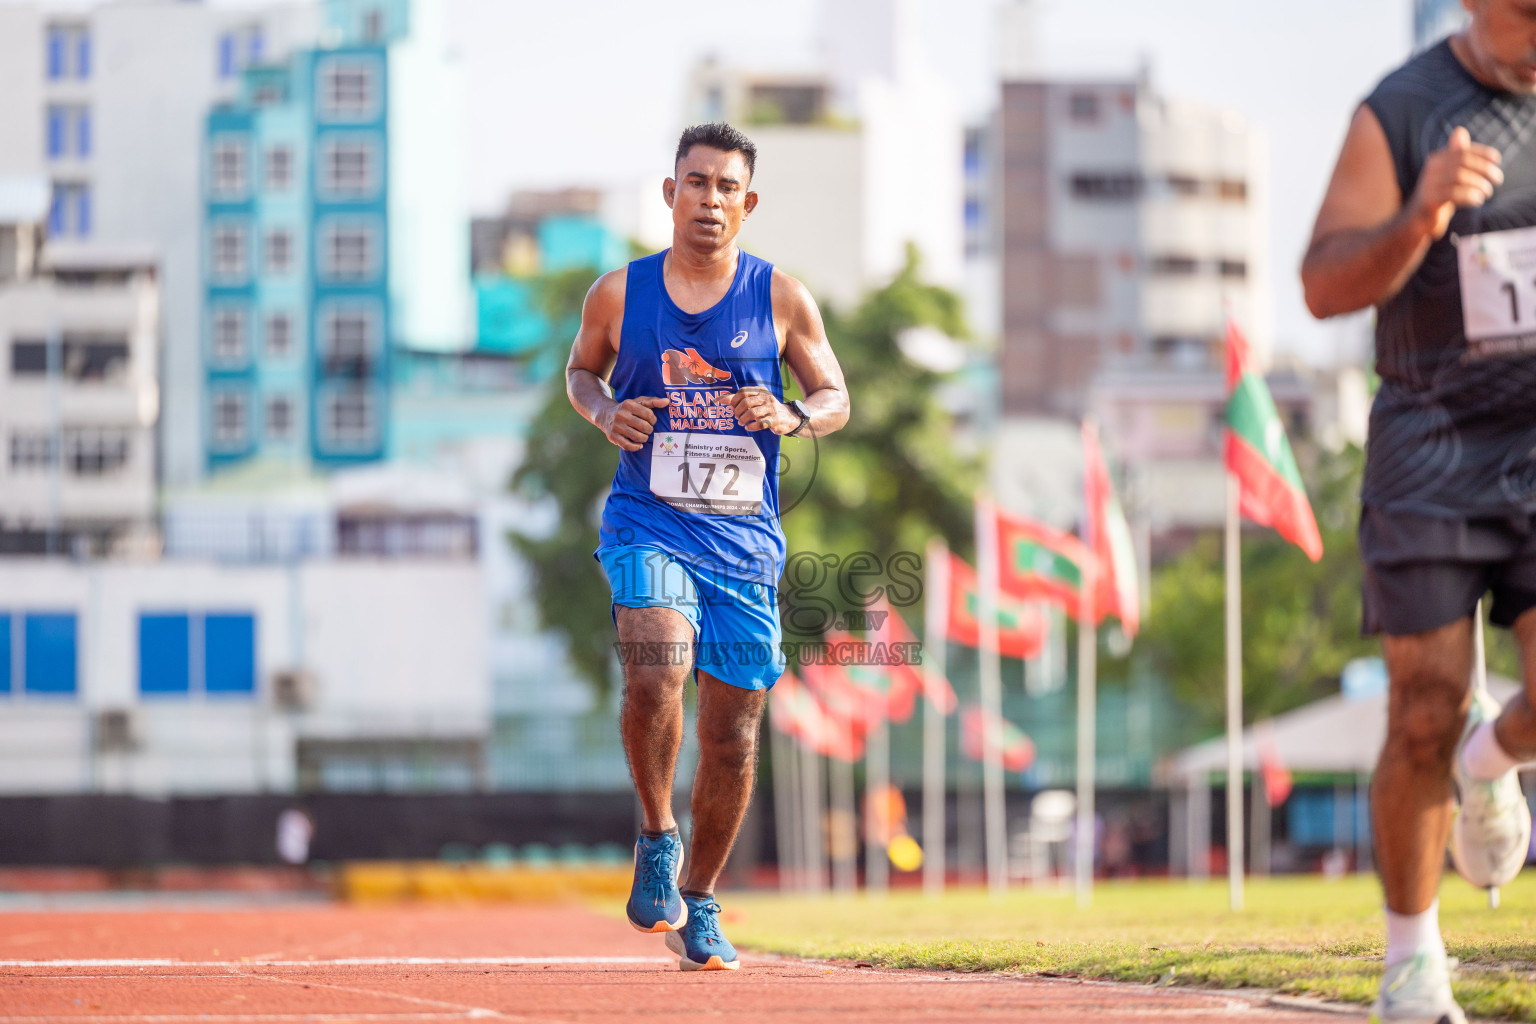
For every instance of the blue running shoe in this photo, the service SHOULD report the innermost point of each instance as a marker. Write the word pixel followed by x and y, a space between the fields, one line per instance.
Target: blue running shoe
pixel 654 902
pixel 699 945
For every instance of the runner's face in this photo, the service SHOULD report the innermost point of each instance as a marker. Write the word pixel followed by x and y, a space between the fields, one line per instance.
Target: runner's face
pixel 710 197
pixel 1502 37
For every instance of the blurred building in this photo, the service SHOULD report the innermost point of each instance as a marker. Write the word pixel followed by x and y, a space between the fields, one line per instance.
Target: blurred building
pixel 1132 226
pixel 334 231
pixel 79 355
pixel 1433 20
pixel 185 678
pixel 108 101
pixel 858 157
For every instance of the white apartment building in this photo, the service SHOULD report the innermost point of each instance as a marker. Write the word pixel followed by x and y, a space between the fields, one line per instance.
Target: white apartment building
pixel 79 399
pixel 109 102
pixel 189 678
pixel 857 157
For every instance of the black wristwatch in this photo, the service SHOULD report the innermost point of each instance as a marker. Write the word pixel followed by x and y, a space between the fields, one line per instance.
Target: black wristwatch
pixel 805 417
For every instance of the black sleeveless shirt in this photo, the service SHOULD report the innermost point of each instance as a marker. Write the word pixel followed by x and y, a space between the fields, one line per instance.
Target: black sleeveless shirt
pixel 1453 427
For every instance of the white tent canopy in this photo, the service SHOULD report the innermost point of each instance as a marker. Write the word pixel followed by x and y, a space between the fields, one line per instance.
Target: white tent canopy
pixel 1330 736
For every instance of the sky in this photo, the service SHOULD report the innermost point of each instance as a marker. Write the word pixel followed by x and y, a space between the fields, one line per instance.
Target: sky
pixel 590 92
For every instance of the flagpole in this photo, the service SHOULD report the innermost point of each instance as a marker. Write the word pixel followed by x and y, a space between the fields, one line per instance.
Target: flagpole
pixel 994 808
pixel 1087 753
pixel 877 780
pixel 935 655
pixel 782 812
pixel 815 843
pixel 845 860
pixel 1234 629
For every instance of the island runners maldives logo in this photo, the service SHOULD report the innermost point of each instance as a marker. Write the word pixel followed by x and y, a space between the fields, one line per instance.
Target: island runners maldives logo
pixel 700 393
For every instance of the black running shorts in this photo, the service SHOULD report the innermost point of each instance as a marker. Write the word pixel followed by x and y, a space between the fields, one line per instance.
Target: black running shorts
pixel 1423 572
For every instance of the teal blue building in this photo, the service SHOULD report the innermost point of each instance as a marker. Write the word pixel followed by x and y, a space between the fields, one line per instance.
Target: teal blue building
pixel 333 233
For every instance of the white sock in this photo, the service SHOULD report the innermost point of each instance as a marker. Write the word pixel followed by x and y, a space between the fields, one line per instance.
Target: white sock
pixel 1483 758
pixel 1408 934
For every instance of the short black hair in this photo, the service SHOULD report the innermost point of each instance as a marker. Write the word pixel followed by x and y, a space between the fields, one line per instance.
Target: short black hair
pixel 717 135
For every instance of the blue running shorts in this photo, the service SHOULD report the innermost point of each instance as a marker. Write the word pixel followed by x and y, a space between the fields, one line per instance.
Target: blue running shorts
pixel 735 622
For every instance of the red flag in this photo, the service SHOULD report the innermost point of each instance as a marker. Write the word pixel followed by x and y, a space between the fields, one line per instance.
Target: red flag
pixel 861 666
pixel 1115 591
pixel 1040 562
pixel 1020 626
pixel 811 721
pixel 975 724
pixel 846 709
pixel 1277 777
pixel 894 634
pixel 1259 456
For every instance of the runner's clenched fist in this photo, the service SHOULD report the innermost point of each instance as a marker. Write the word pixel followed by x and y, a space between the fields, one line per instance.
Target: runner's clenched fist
pixel 628 423
pixel 1464 173
pixel 757 409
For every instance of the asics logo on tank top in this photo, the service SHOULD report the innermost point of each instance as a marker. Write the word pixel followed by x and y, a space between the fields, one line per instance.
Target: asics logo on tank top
pixel 739 340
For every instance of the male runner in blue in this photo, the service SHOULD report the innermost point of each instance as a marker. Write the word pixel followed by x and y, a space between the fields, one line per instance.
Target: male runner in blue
pixel 690 340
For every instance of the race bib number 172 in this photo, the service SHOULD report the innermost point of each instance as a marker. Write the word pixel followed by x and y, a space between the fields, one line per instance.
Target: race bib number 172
pixel 708 473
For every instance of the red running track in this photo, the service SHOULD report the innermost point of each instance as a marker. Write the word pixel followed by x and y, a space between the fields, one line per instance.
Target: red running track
pixel 330 964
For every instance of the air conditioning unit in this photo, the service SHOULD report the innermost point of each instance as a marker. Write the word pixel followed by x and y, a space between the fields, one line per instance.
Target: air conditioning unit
pixel 293 689
pixel 115 731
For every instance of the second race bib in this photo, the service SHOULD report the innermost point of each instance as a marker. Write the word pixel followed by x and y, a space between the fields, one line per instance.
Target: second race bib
pixel 1498 287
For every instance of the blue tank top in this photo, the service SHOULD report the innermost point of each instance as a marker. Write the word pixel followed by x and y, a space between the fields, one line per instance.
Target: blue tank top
pixel 703 487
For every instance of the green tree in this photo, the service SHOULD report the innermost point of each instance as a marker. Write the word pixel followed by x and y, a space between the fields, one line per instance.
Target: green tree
pixel 883 485
pixel 1301 621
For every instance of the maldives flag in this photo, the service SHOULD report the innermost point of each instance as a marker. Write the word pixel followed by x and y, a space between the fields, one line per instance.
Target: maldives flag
pixel 1115 590
pixel 894 634
pixel 1259 456
pixel 1039 562
pixel 1020 627
pixel 1277 777
pixel 807 719
pixel 975 727
pixel 864 666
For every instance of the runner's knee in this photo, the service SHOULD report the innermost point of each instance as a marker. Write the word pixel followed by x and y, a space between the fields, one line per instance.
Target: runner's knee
pixel 1425 719
pixel 650 688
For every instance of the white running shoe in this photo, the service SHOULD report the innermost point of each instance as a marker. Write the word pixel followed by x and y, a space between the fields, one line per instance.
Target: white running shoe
pixel 1417 991
pixel 1491 837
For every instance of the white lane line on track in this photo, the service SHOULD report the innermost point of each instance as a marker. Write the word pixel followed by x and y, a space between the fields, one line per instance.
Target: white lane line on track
pixel 354 961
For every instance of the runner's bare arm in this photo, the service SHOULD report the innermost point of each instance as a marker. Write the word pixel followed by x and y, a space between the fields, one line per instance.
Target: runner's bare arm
pixel 628 423
pixel 1367 240
pixel 803 344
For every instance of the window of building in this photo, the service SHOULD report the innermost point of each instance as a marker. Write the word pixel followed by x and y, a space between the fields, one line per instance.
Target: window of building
pixel 68 131
pixel 168 647
pixel 68 52
pixel 349 417
pixel 347 251
pixel 229 251
pixel 82 356
pixel 1184 185
pixel 279 251
pixel 279 167
pixel 373 26
pixel 69 213
pixel 1083 106
pixel 347 88
pixel 95 451
pixel 346 169
pixel 279 335
pixel 1233 268
pixel 49 653
pixel 229 168
pixel 279 418
pixel 32 450
pixel 227 66
pixel 1117 185
pixel 255 45
pixel 229 336
pixel 1173 265
pixel 349 336
pixel 229 425
pixel 1235 189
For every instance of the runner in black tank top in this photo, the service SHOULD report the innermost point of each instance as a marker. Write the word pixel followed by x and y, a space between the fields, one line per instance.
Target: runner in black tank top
pixel 1431 218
